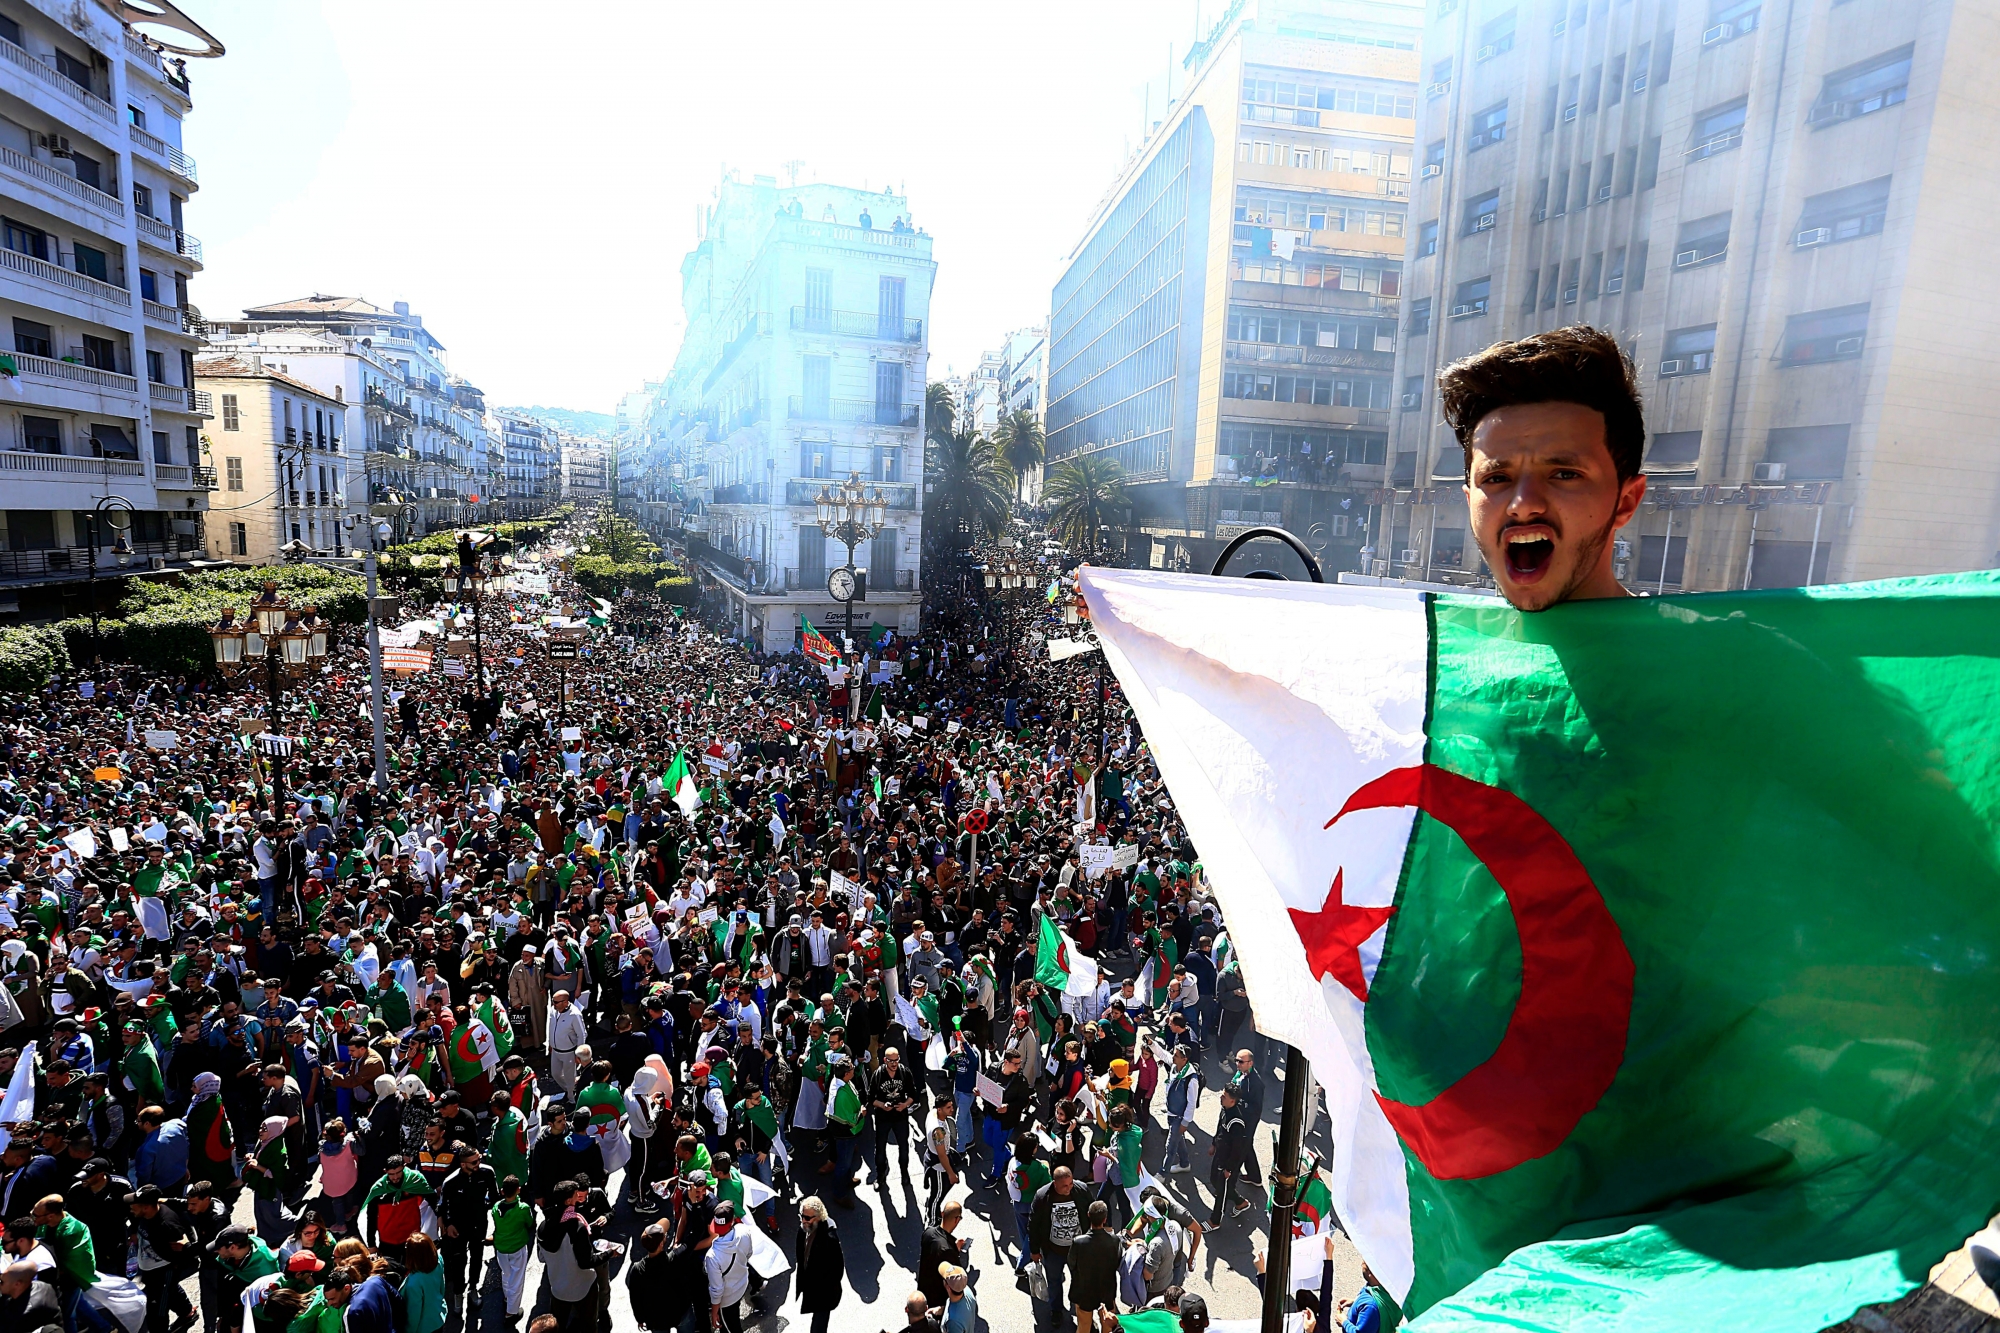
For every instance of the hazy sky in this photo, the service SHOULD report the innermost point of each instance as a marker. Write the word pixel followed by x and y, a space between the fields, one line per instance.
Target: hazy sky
pixel 527 176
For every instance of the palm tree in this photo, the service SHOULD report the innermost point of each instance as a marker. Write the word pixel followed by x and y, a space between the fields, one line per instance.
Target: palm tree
pixel 1021 442
pixel 971 490
pixel 1083 494
pixel 940 412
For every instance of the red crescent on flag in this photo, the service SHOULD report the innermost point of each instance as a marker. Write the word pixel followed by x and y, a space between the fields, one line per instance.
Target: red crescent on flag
pixel 1566 1037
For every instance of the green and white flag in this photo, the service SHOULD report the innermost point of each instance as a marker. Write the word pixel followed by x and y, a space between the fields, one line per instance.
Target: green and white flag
pixel 1059 966
pixel 1644 948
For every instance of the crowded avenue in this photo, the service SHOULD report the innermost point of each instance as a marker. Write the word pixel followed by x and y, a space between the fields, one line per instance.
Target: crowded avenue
pixel 828 989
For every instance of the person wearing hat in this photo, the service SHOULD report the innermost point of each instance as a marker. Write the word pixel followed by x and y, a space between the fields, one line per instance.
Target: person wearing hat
pixel 166 1259
pixel 728 1267
pixel 97 1200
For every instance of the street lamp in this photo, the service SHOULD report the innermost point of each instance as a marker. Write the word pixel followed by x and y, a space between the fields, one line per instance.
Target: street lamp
pixel 276 634
pixel 850 515
pixel 121 550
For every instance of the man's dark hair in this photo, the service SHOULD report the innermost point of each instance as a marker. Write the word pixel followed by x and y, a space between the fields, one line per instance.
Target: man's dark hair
pixel 1578 364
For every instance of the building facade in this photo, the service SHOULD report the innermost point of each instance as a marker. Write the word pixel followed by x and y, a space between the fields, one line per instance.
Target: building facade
pixel 1226 328
pixel 1769 203
pixel 532 464
pixel 98 402
pixel 587 469
pixel 281 457
pixel 804 364
pixel 443 468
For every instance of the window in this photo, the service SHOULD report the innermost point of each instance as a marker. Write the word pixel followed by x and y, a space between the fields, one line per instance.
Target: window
pixel 1318 390
pixel 1663 559
pixel 1728 19
pixel 1488 126
pixel 1497 35
pixel 25 238
pixel 136 116
pixel 1570 279
pixel 1533 288
pixel 1420 315
pixel 1593 272
pixel 1642 59
pixel 239 539
pixel 41 435
pixel 1688 351
pixel 231 418
pixel 889 307
pixel 1554 101
pixel 193 444
pixel 110 441
pixel 1702 241
pixel 819 298
pixel 163 447
pixel 1860 90
pixel 1570 100
pixel 142 199
pixel 10 30
pixel 888 393
pixel 1719 129
pixel 818 383
pixel 1413 390
pixel 1482 213
pixel 1549 290
pixel 1592 87
pixel 1825 335
pixel 76 71
pixel 1582 187
pixel 232 471
pixel 99 353
pixel 92 262
pixel 1809 453
pixel 1427 240
pixel 1614 81
pixel 156 367
pixel 1674 451
pixel 1434 158
pixel 1638 283
pixel 1649 164
pixel 1562 192
pixel 33 338
pixel 1614 277
pixel 1470 298
pixel 812 556
pixel 1663 57
pixel 1440 76
pixel 1837 215
pixel 882 559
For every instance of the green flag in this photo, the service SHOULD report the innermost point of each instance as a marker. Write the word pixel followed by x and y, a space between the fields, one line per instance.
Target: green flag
pixel 1644 946
pixel 1058 965
pixel 672 782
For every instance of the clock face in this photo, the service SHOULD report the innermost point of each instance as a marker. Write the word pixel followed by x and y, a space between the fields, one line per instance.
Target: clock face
pixel 840 583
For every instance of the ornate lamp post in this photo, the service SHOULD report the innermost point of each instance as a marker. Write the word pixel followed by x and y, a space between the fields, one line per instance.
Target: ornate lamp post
pixel 850 515
pixel 282 639
pixel 121 550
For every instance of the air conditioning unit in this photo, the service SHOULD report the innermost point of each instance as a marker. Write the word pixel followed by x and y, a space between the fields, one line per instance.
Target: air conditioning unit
pixel 1486 52
pixel 1438 89
pixel 1408 556
pixel 1541 215
pixel 156 562
pixel 1639 84
pixel 1671 367
pixel 1433 169
pixel 1847 347
pixel 57 144
pixel 1569 113
pixel 1721 32
pixel 1685 258
pixel 1485 221
pixel 1410 400
pixel 1561 27
pixel 1459 310
pixel 1603 193
pixel 1813 236
pixel 1828 113
pixel 1614 285
pixel 1768 472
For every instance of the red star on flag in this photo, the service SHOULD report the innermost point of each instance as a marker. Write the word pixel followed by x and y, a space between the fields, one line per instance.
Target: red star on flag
pixel 1333 936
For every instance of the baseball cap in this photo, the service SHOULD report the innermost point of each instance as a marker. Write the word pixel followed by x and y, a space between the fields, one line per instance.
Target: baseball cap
pixel 305 1261
pixel 1193 1312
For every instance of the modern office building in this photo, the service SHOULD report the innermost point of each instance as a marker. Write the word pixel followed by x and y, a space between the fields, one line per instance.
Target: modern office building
pixel 804 364
pixel 279 452
pixel 533 464
pixel 100 411
pixel 1775 205
pixel 1226 327
pixel 442 467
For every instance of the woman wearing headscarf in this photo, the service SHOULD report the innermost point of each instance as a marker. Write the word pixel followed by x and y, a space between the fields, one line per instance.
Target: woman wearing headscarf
pixel 268 1173
pixel 211 1145
pixel 384 1138
pixel 418 1112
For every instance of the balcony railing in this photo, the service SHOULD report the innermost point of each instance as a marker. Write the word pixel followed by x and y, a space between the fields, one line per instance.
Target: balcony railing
pixel 176 475
pixel 814 580
pixel 58 276
pixel 899 494
pixel 166 316
pixel 857 324
pixel 19 460
pixel 165 153
pixel 759 324
pixel 743 493
pixel 60 82
pixel 854 410
pixel 169 239
pixel 168 395
pixel 61 180
pixel 48 368
pixel 1289 354
pixel 204 403
pixel 833 231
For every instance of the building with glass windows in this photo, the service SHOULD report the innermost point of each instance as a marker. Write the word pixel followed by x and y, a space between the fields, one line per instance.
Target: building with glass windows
pixel 1226 327
pixel 803 365
pixel 1770 203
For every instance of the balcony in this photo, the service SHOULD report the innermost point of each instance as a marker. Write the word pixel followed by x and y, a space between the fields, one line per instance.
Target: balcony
pixel 167 239
pixel 174 475
pixel 171 396
pixel 759 324
pixel 204 403
pixel 743 493
pixel 855 411
pixel 168 156
pixel 48 76
pixel 803 230
pixel 899 495
pixel 17 460
pixel 856 324
pixel 814 580
pixel 168 316
pixel 57 276
pixel 73 372
pixel 743 416
pixel 43 173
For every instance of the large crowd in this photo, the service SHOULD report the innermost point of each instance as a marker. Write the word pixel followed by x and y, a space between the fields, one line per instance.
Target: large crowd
pixel 624 981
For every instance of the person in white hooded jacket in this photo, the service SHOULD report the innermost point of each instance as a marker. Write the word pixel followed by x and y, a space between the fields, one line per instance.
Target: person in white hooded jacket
pixel 643 1107
pixel 728 1266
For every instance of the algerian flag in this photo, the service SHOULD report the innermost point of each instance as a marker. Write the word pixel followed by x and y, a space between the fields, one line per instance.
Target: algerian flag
pixel 1686 959
pixel 1059 966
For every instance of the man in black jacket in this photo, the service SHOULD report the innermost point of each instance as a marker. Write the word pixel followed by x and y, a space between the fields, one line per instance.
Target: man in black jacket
pixel 894 1092
pixel 940 1245
pixel 1053 1223
pixel 1235 1151
pixel 1093 1260
pixel 97 1200
pixel 25 1303
pixel 166 1256
pixel 463 1200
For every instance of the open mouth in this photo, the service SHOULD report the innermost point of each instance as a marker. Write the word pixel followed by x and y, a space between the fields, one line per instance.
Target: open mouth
pixel 1529 551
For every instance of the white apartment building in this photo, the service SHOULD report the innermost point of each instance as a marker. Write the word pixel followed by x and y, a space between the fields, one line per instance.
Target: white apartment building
pixel 531 461
pixel 98 405
pixel 587 469
pixel 804 363
pixel 1024 370
pixel 279 449
pixel 982 394
pixel 443 466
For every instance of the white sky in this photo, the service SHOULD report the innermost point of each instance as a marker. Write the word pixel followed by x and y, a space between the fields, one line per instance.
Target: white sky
pixel 527 176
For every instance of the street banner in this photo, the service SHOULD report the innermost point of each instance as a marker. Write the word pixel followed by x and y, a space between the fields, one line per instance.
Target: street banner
pixel 406 659
pixel 1641 946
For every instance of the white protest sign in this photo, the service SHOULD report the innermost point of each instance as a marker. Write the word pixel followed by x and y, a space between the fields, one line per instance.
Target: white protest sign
pixel 572 733
pixel 1125 857
pixel 1096 860
pixel 161 739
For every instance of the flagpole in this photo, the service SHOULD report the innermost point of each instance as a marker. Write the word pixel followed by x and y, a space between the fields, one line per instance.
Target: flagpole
pixel 1298 1073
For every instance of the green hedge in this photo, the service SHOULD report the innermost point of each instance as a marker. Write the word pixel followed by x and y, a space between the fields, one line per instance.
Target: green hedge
pixel 677 588
pixel 166 625
pixel 424 561
pixel 30 655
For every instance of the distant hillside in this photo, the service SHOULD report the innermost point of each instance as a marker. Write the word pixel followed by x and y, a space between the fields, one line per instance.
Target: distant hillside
pixel 567 418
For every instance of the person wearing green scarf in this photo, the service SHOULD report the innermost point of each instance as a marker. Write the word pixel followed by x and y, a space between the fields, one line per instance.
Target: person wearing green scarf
pixel 140 1067
pixel 268 1174
pixel 507 1147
